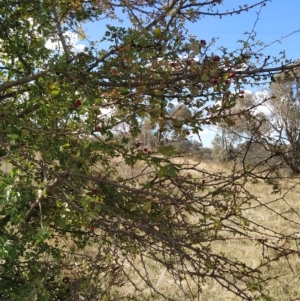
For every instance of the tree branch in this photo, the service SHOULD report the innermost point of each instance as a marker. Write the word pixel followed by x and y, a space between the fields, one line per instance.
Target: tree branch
pixel 60 33
pixel 22 80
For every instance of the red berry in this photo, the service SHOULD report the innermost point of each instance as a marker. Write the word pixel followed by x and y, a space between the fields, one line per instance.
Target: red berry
pixel 138 144
pixel 203 42
pixel 241 96
pixel 94 190
pixel 214 80
pixel 145 150
pixel 187 133
pixel 98 128
pixel 77 103
pixel 216 58
pixel 242 92
pixel 113 71
pixel 227 82
pixel 92 228
pixel 231 75
pixel 173 64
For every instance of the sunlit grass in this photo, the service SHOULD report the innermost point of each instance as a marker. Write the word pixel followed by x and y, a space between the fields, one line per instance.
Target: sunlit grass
pixel 279 212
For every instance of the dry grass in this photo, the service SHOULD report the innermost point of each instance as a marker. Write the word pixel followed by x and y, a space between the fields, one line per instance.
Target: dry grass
pixel 279 212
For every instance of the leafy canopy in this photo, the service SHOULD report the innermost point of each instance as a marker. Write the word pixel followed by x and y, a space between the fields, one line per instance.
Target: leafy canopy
pixel 82 196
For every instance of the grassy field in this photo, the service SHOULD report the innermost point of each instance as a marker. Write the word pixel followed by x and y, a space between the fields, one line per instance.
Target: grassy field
pixel 270 214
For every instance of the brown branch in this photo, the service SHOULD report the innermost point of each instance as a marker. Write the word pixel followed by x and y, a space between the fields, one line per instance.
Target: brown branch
pixel 268 70
pixel 245 9
pixel 42 195
pixel 12 94
pixel 134 82
pixel 29 110
pixel 21 81
pixel 60 33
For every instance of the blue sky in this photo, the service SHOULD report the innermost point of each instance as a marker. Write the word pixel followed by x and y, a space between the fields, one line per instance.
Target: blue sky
pixel 276 20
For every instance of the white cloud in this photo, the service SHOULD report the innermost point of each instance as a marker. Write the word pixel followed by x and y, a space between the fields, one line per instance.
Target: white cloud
pixel 72 40
pixel 207 135
pixel 260 96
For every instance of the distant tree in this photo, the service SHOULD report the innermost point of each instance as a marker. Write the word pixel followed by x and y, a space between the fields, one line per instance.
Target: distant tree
pixel 284 118
pixel 218 149
pixel 243 122
pixel 277 129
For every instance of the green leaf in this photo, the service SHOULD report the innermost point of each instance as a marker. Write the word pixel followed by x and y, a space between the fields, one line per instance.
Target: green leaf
pixel 205 77
pixel 147 206
pixel 168 170
pixel 168 150
pixel 157 32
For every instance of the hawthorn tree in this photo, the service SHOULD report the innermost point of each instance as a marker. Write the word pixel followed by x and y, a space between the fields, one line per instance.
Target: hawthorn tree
pixel 85 214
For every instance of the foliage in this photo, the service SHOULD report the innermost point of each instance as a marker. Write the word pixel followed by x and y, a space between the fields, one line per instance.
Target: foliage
pixel 273 122
pixel 284 118
pixel 80 204
pixel 217 148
